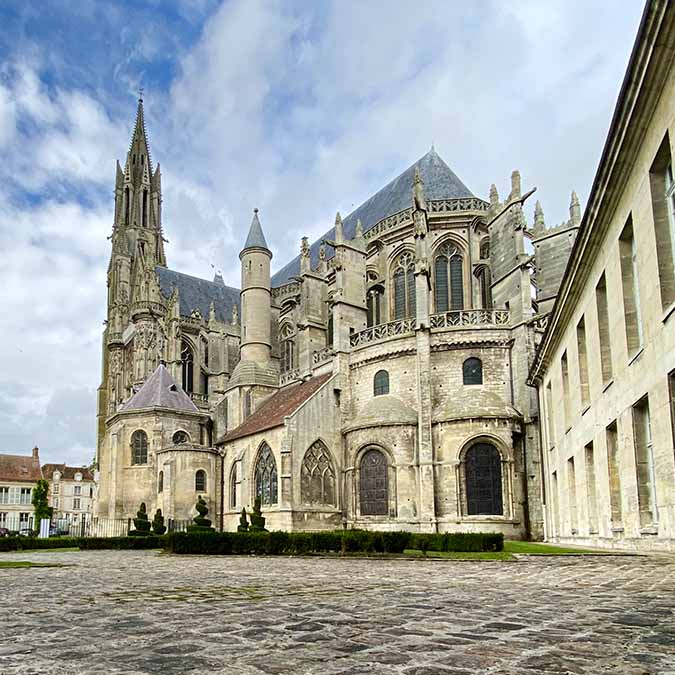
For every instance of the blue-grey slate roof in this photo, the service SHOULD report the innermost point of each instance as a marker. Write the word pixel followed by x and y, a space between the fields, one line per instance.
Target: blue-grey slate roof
pixel 256 238
pixel 440 182
pixel 195 293
pixel 160 391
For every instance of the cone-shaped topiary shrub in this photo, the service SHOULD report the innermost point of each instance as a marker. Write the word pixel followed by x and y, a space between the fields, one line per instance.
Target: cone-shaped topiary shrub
pixel 202 523
pixel 243 522
pixel 158 526
pixel 141 523
pixel 257 519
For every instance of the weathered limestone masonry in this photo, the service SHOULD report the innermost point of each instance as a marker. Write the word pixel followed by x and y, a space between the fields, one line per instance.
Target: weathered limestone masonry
pixel 605 372
pixel 377 380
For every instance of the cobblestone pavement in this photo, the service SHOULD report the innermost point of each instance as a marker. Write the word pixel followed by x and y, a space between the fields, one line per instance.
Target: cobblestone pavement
pixel 143 612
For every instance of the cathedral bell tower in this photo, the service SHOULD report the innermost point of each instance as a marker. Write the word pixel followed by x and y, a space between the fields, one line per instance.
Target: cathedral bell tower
pixel 132 339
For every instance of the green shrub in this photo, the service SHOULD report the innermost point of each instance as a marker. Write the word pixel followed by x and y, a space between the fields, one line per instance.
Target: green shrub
pixel 257 518
pixel 243 522
pixel 90 543
pixel 158 526
pixel 201 522
pixel 141 523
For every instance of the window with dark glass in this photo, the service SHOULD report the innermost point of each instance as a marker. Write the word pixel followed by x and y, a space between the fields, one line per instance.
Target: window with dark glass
pixel 472 371
pixel 483 468
pixel 233 487
pixel 187 359
pixel 373 484
pixel 180 437
pixel 266 477
pixel 287 349
pixel 448 279
pixel 160 482
pixel 404 287
pixel 200 481
pixel 374 306
pixel 139 447
pixel 381 383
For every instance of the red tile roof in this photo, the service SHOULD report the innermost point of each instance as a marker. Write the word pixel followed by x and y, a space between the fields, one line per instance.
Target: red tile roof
pixel 67 472
pixel 272 412
pixel 21 467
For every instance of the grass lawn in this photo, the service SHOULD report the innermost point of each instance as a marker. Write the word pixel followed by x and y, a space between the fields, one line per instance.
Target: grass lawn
pixel 537 548
pixel 4 564
pixel 461 555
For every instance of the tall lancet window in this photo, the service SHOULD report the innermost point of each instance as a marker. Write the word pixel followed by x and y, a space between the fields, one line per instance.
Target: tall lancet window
pixel 404 287
pixel 145 208
pixel 374 305
pixel 126 205
pixel 187 357
pixel 448 279
pixel 287 348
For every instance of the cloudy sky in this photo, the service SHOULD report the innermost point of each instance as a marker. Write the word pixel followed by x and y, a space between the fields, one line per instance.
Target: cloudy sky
pixel 298 108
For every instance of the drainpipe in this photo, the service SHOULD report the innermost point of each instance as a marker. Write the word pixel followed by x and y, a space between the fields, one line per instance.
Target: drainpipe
pixel 222 489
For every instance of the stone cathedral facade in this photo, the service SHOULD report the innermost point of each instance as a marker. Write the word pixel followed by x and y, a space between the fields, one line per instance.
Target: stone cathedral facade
pixel 377 380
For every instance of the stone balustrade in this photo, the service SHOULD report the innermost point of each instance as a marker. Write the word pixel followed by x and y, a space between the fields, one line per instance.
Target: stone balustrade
pixel 322 355
pixel 382 331
pixel 468 318
pixel 289 376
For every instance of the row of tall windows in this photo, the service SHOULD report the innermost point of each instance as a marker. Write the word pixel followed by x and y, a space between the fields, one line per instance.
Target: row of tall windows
pixel 15 495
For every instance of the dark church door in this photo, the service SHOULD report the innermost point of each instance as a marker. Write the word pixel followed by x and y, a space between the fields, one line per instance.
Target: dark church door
pixel 483 481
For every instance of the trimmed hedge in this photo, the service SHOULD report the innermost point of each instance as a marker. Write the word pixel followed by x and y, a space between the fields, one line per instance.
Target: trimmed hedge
pixel 342 541
pixel 87 543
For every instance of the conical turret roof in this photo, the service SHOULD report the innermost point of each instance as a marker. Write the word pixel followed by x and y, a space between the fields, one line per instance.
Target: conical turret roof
pixel 256 238
pixel 160 391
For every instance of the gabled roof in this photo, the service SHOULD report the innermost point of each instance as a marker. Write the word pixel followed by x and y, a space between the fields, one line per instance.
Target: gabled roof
pixel 440 182
pixel 67 472
pixel 160 391
pixel 195 293
pixel 256 237
pixel 20 467
pixel 272 412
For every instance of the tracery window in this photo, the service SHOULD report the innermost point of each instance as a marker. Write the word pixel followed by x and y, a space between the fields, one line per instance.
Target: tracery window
pixel 139 447
pixel 187 358
pixel 404 286
pixel 317 476
pixel 373 484
pixel 448 279
pixel 160 482
pixel 180 437
pixel 200 481
pixel 472 371
pixel 485 279
pixel 374 306
pixel 287 348
pixel 381 383
pixel 483 471
pixel 265 477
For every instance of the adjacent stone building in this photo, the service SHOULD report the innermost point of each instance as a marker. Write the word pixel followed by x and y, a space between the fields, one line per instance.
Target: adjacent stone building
pixel 18 475
pixel 71 493
pixel 605 371
pixel 377 380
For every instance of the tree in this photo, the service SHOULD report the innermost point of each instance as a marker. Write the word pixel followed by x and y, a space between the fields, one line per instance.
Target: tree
pixel 257 519
pixel 158 526
pixel 243 522
pixel 141 523
pixel 41 502
pixel 201 522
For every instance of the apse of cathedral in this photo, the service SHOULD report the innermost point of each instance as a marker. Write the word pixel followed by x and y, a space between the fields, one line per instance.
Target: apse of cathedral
pixel 377 380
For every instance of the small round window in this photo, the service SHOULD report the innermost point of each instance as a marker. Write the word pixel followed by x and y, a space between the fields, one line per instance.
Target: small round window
pixel 180 437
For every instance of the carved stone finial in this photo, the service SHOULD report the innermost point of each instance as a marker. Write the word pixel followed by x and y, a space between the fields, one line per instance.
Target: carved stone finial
pixel 339 234
pixel 419 200
pixel 304 248
pixel 539 224
pixel 494 195
pixel 359 229
pixel 515 185
pixel 212 311
pixel 575 209
pixel 235 315
pixel 322 251
pixel 305 261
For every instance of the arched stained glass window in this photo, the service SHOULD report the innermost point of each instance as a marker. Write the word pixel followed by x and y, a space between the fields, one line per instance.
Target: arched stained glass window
pixel 266 477
pixel 472 371
pixel 404 287
pixel 381 383
pixel 233 486
pixel 200 481
pixel 483 470
pixel 448 279
pixel 139 447
pixel 373 484
pixel 287 348
pixel 187 358
pixel 317 476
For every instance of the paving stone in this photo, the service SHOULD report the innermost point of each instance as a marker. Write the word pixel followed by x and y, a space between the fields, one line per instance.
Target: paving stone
pixel 140 613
